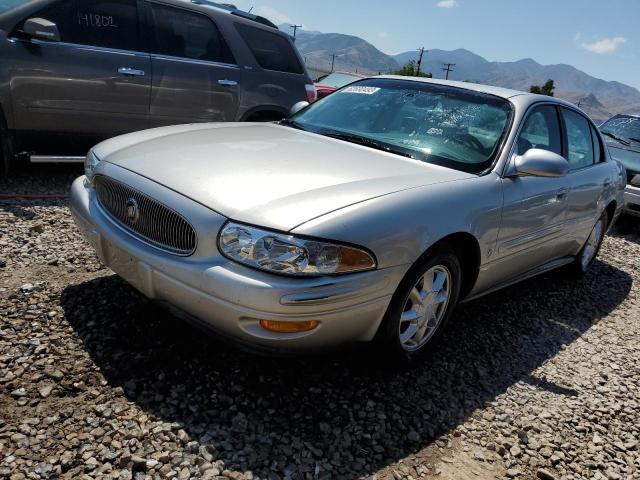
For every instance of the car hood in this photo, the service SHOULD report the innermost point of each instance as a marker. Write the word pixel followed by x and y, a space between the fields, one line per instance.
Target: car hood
pixel 267 174
pixel 629 157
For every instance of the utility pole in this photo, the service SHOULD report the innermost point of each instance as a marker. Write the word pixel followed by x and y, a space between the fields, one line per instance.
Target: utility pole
pixel 333 60
pixel 421 50
pixel 295 30
pixel 448 67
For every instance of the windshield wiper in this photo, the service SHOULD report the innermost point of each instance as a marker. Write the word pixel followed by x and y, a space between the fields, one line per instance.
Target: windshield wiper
pixel 634 139
pixel 616 138
pixel 367 142
pixel 292 123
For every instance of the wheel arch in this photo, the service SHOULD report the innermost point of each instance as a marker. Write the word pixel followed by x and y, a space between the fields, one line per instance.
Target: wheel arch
pixel 467 249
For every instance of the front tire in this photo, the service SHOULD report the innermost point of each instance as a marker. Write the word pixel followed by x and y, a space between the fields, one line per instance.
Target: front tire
pixel 590 249
pixel 5 150
pixel 421 306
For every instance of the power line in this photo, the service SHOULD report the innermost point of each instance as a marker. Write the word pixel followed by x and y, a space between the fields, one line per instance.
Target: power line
pixel 421 50
pixel 448 67
pixel 295 30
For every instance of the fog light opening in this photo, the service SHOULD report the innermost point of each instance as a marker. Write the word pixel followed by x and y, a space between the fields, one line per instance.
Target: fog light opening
pixel 289 327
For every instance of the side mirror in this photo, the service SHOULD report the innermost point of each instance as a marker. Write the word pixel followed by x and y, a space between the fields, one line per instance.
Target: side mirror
pixel 297 107
pixel 42 29
pixel 539 163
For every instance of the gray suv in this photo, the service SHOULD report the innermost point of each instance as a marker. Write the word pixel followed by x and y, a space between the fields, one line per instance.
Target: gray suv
pixel 75 72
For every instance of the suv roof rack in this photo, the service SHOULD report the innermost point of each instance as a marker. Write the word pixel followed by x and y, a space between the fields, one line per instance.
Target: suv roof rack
pixel 235 11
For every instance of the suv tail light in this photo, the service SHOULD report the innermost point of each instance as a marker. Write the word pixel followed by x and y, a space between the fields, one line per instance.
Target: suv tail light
pixel 312 93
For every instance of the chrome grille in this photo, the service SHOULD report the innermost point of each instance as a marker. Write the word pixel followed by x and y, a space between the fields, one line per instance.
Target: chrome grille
pixel 145 217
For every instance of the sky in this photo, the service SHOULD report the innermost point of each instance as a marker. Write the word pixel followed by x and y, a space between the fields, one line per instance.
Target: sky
pixel 599 37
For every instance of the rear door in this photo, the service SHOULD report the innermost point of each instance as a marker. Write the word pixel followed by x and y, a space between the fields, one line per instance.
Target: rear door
pixel 94 81
pixel 588 175
pixel 195 75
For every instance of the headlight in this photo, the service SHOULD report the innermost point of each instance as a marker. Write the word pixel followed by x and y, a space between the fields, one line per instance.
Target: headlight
pixel 90 164
pixel 287 254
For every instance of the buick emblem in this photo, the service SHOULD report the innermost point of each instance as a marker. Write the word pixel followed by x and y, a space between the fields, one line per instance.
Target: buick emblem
pixel 132 210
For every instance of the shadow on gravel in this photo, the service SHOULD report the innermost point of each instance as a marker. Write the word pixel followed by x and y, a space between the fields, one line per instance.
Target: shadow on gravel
pixel 349 413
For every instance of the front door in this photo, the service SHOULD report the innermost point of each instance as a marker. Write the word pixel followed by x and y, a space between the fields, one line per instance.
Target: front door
pixel 535 208
pixel 94 81
pixel 195 76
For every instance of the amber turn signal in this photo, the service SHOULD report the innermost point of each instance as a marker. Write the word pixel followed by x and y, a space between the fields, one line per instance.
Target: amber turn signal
pixel 288 327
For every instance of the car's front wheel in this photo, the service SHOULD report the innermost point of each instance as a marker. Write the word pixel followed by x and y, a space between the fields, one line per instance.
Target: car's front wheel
pixel 422 305
pixel 5 151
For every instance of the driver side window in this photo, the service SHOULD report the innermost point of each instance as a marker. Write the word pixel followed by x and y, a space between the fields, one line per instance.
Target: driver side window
pixel 541 130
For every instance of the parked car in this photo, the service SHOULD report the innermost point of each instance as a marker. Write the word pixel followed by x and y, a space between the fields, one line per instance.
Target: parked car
pixel 367 215
pixel 622 135
pixel 74 72
pixel 332 82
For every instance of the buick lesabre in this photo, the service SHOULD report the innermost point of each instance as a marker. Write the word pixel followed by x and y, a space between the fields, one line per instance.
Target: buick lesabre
pixel 366 216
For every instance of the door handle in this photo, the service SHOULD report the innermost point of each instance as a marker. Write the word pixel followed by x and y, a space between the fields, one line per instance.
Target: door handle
pixel 132 72
pixel 228 83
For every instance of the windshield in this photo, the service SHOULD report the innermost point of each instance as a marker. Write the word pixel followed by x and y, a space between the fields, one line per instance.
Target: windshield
pixel 6 5
pixel 623 128
pixel 438 124
pixel 339 80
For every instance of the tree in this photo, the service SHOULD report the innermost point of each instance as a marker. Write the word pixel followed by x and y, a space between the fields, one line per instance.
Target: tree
pixel 546 89
pixel 410 70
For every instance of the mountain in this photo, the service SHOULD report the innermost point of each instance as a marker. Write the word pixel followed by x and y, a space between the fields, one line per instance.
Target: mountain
pixel 599 98
pixel 351 53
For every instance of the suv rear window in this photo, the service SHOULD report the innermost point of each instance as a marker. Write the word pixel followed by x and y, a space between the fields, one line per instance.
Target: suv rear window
pixel 180 33
pixel 272 51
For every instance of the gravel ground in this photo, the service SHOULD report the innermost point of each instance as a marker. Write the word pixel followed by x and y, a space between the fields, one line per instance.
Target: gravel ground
pixel 538 381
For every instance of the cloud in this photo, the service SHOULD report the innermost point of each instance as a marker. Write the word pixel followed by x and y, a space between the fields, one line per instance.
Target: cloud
pixel 606 45
pixel 272 14
pixel 447 3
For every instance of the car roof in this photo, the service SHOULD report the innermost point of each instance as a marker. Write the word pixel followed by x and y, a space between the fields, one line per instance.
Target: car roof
pixel 522 98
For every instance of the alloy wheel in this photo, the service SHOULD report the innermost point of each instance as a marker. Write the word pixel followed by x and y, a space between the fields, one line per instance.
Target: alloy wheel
pixel 424 308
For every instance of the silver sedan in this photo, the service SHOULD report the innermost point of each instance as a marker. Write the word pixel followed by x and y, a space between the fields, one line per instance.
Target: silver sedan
pixel 366 216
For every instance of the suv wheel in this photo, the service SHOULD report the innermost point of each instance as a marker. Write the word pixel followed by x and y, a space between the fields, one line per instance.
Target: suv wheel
pixel 5 150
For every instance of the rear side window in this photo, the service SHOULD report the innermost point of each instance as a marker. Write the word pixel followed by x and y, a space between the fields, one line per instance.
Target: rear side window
pixel 541 130
pixel 179 33
pixel 579 140
pixel 108 24
pixel 272 51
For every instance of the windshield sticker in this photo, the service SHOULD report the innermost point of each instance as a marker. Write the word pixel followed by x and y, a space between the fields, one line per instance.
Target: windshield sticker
pixel 361 90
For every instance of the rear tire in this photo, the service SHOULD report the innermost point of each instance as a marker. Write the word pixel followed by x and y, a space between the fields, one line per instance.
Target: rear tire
pixel 421 306
pixel 590 249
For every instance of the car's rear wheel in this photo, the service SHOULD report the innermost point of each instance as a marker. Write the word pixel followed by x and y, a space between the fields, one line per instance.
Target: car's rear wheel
pixel 422 305
pixel 590 250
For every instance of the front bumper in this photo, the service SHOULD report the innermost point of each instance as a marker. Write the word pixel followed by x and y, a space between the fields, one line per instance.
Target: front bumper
pixel 230 298
pixel 632 200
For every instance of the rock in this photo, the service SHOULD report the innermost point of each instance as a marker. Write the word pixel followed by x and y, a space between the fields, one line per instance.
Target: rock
pixel 19 392
pixel 45 390
pixel 543 474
